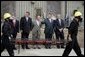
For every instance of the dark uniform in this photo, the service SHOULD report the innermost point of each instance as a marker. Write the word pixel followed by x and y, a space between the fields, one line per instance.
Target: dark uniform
pixel 73 30
pixel 6 44
pixel 25 26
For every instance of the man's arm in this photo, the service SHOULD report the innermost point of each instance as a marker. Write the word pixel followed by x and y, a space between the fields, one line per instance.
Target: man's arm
pixel 18 26
pixel 32 25
pixel 21 24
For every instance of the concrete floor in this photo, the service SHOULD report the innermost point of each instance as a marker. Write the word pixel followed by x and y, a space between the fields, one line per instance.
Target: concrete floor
pixel 41 52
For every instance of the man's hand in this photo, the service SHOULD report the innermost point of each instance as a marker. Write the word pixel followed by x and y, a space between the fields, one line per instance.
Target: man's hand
pixel 20 30
pixel 69 38
pixel 18 33
pixel 9 38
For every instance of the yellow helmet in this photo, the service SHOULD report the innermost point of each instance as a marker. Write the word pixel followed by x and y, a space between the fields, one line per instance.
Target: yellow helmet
pixel 77 14
pixel 6 15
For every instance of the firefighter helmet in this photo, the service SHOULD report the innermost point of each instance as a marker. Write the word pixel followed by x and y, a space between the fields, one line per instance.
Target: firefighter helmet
pixel 77 14
pixel 6 15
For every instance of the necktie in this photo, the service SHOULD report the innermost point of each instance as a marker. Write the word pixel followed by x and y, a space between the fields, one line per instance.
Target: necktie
pixel 14 22
pixel 60 22
pixel 50 20
pixel 26 18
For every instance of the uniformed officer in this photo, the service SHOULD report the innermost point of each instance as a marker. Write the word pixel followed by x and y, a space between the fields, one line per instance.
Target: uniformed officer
pixel 6 35
pixel 73 30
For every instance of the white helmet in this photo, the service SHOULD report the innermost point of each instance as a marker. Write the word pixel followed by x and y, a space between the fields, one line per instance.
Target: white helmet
pixel 77 14
pixel 6 15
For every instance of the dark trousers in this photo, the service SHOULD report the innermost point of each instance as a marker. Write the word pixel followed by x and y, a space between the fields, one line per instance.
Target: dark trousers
pixel 72 45
pixel 7 45
pixel 14 38
pixel 24 37
pixel 49 38
pixel 60 35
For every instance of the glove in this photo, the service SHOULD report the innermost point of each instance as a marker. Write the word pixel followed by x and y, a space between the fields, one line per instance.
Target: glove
pixel 9 38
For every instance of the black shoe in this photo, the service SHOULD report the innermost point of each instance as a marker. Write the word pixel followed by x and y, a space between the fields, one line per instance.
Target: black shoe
pixel 58 46
pixel 81 55
pixel 14 49
pixel 39 48
pixel 46 47
pixel 27 48
pixel 49 47
pixel 23 48
pixel 62 46
pixel 34 47
pixel 12 54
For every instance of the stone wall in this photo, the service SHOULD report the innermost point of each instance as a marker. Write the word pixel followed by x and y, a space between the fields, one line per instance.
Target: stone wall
pixel 7 6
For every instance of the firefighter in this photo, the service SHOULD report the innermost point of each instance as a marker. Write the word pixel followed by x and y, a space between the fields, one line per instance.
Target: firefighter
pixel 73 31
pixel 6 35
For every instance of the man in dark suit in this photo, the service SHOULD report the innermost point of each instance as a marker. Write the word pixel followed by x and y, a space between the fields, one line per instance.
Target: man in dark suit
pixel 15 28
pixel 59 26
pixel 48 29
pixel 25 26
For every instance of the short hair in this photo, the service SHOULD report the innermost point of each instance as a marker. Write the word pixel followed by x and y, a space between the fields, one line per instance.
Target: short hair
pixel 28 12
pixel 50 13
pixel 37 16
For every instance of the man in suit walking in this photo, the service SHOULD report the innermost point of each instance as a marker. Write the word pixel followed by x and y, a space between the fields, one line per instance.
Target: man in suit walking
pixel 59 26
pixel 36 30
pixel 48 29
pixel 25 26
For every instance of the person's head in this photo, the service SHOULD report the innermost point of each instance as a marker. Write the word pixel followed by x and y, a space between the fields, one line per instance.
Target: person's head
pixel 38 17
pixel 12 17
pixel 58 16
pixel 7 16
pixel 77 16
pixel 27 14
pixel 53 17
pixel 49 15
